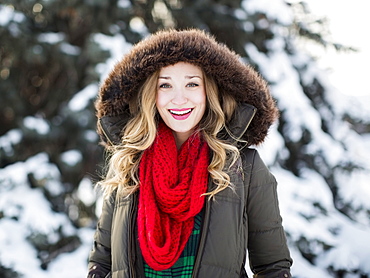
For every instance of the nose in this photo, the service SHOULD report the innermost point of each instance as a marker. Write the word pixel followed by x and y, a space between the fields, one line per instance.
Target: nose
pixel 179 97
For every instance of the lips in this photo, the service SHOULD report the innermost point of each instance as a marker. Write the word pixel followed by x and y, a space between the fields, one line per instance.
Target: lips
pixel 181 114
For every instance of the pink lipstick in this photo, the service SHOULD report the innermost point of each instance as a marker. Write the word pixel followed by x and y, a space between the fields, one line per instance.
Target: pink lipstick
pixel 180 114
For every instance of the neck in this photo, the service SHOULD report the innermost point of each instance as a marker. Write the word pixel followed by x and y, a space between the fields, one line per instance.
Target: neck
pixel 181 137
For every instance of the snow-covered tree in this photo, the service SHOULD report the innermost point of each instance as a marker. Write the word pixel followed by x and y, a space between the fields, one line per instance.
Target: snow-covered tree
pixel 54 53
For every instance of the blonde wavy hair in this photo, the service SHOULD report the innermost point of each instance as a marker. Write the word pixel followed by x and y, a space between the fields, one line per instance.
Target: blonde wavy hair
pixel 140 132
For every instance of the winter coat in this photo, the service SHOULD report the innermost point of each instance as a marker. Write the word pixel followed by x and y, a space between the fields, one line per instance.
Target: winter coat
pixel 244 217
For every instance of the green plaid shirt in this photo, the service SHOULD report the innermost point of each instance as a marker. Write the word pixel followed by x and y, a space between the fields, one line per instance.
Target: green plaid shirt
pixel 183 268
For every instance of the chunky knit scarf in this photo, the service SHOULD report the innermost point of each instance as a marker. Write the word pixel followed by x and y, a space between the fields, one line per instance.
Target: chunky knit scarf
pixel 171 184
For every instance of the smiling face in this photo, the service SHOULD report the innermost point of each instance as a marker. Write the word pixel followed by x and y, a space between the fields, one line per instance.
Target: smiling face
pixel 181 98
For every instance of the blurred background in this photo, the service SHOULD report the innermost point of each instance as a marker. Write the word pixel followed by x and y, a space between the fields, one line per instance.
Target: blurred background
pixel 55 53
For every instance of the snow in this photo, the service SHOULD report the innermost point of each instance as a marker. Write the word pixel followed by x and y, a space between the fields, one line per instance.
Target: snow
pixel 270 151
pixel 306 203
pixel 70 49
pixel 354 189
pixel 347 254
pixel 302 268
pixel 12 19
pixel 278 69
pixel 7 15
pixel 26 212
pixel 116 45
pixel 23 257
pixel 137 24
pixel 349 241
pixel 37 124
pixel 82 99
pixel 86 192
pixel 347 71
pixel 73 265
pixel 12 137
pixel 124 4
pixel 91 136
pixel 276 9
pixel 240 14
pixel 51 38
pixel 14 179
pixel 71 157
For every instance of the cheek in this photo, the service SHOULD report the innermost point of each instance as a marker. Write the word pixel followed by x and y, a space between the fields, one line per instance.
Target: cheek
pixel 200 99
pixel 160 101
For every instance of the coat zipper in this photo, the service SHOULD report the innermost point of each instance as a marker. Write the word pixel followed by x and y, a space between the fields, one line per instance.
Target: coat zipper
pixel 202 239
pixel 131 232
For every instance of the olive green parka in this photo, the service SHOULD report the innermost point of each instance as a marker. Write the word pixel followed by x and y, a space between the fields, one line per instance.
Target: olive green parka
pixel 242 217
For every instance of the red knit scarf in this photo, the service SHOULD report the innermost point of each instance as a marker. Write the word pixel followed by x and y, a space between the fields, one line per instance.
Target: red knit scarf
pixel 171 185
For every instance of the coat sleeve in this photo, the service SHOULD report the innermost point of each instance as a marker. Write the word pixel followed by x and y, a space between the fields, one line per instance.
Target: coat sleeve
pixel 100 256
pixel 269 255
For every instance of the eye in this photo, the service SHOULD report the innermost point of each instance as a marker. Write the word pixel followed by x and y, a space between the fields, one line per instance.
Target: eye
pixel 192 84
pixel 164 85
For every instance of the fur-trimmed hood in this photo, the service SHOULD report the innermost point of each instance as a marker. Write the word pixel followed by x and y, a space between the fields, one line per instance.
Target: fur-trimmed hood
pixel 165 48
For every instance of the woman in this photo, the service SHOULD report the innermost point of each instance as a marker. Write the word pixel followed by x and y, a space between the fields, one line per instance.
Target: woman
pixel 185 195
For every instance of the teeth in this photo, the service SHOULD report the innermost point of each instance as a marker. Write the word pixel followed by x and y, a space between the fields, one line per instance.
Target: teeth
pixel 180 112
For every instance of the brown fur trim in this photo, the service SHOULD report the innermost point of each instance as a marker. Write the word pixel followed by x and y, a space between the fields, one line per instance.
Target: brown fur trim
pixel 165 48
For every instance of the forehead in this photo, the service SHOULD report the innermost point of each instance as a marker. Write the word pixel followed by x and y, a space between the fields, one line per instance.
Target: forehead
pixel 181 68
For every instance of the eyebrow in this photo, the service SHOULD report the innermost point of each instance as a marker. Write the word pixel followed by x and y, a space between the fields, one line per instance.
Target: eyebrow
pixel 193 76
pixel 187 77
